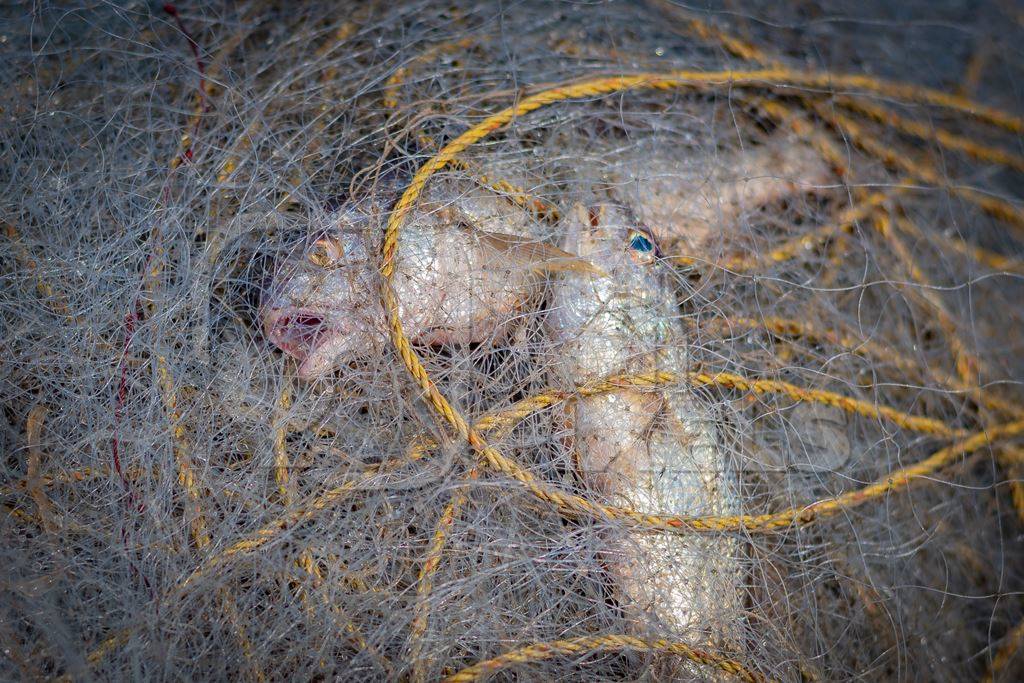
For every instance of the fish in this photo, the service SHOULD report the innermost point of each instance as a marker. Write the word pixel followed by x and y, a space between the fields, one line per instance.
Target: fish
pixel 653 451
pixel 469 266
pixel 659 451
pixel 685 200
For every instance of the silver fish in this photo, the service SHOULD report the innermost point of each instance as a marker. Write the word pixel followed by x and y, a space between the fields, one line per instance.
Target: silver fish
pixel 467 268
pixel 685 200
pixel 660 452
pixel 652 451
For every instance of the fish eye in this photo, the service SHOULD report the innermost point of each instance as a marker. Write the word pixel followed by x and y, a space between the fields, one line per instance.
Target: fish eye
pixel 641 245
pixel 325 252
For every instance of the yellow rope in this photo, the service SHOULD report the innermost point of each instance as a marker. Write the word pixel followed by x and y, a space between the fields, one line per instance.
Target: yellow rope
pixel 395 81
pixel 966 363
pixel 920 168
pixel 983 256
pixel 230 609
pixel 502 420
pixel 242 143
pixel 354 634
pixel 947 139
pixel 915 423
pixel 425 580
pixel 540 208
pixel 181 448
pixel 116 640
pixel 603 86
pixel 576 504
pixel 271 530
pixel 898 479
pixel 327 76
pixel 928 131
pixel 793 248
pixel 976 65
pixel 606 643
pixel 788 327
pixel 281 465
pixel 33 430
pixel 100 652
pixel 1012 462
pixel 1005 653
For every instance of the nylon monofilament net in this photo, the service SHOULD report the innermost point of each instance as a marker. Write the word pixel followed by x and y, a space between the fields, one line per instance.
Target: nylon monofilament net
pixel 527 341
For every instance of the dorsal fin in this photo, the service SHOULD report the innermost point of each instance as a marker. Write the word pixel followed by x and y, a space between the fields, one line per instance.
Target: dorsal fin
pixel 540 256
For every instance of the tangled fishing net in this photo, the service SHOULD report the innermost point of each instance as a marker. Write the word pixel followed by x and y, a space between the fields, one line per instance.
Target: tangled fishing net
pixel 183 500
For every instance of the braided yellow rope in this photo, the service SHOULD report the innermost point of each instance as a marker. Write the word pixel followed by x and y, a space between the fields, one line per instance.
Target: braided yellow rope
pixel 1011 644
pixel 181 448
pixel 353 633
pixel 606 643
pixel 966 363
pixel 540 208
pixel 395 81
pixel 274 528
pixel 820 509
pixel 425 580
pixel 111 643
pixel 915 423
pixel 230 608
pixel 929 131
pixel 919 168
pixel 791 249
pixel 281 464
pixel 985 257
pixel 788 327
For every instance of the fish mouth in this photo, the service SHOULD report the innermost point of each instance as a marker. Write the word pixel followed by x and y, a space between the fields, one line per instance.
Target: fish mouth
pixel 307 335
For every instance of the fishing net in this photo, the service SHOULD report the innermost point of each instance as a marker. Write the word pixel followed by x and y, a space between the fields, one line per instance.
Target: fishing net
pixel 183 500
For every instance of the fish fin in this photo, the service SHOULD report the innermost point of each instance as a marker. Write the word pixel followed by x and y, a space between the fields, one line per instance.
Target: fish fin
pixel 540 256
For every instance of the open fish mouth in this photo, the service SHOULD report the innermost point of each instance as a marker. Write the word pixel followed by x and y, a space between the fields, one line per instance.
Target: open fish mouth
pixel 309 336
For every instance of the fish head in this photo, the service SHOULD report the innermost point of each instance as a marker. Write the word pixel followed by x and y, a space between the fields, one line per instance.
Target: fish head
pixel 611 237
pixel 617 316
pixel 323 301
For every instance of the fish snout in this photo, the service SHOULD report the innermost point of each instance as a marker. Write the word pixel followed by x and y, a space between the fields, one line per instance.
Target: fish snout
pixel 315 338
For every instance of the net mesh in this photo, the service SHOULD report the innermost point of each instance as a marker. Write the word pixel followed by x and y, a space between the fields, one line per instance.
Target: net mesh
pixel 182 500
